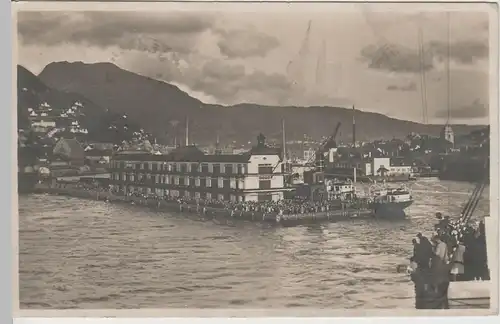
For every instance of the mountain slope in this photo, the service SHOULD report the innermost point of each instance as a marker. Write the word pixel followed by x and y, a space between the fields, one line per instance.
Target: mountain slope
pixel 160 107
pixel 74 114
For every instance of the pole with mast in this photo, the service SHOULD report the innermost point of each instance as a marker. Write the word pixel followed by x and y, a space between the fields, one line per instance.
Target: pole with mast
pixel 448 79
pixel 353 126
pixel 423 86
pixel 283 139
pixel 187 131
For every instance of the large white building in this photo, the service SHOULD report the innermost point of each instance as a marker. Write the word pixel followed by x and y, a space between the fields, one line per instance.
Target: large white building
pixel 257 175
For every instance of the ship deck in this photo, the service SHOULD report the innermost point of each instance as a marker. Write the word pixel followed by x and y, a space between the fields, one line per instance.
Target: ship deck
pixel 469 294
pixel 461 295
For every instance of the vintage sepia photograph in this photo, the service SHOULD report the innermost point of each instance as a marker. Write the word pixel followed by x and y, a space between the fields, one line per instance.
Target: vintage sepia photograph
pixel 256 156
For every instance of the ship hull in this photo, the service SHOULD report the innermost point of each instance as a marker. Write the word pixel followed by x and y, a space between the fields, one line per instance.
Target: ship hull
pixel 467 170
pixel 391 209
pixel 26 182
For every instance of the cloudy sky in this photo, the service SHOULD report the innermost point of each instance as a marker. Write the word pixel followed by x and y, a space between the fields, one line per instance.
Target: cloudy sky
pixel 361 56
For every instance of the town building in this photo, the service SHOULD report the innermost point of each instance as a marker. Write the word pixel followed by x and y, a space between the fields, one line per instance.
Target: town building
pixel 388 167
pixel 257 175
pixel 447 134
pixel 69 150
pixel 42 125
pixel 378 166
pixel 96 156
pixel 309 154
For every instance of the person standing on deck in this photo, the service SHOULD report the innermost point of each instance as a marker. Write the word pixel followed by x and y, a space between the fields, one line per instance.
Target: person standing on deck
pixel 457 261
pixel 439 227
pixel 420 279
pixel 426 249
pixel 417 255
pixel 440 271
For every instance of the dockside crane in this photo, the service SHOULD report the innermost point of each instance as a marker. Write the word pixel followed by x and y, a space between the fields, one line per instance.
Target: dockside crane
pixel 318 159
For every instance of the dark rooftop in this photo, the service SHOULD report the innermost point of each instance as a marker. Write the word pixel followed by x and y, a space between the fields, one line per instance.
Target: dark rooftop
pixel 193 154
pixel 97 152
pixel 184 154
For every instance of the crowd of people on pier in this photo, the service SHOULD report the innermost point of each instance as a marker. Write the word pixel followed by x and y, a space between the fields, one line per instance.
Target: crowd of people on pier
pixel 280 207
pixel 456 252
pixel 287 207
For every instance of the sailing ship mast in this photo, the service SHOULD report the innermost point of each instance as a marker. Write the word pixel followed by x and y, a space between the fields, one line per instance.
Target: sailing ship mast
pixel 284 140
pixel 448 79
pixel 353 126
pixel 447 130
pixel 423 86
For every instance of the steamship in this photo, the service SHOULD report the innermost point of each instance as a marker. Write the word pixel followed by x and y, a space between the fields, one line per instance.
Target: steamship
pixel 390 201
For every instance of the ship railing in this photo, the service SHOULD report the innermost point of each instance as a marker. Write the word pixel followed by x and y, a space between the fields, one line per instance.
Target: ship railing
pixel 473 201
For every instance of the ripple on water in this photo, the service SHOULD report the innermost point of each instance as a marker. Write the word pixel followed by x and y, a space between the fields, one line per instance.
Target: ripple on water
pixel 85 254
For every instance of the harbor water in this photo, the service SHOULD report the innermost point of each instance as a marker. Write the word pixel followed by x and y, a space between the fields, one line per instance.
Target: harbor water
pixel 76 253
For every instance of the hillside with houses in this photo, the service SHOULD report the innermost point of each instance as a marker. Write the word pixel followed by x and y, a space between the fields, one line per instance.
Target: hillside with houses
pixel 46 115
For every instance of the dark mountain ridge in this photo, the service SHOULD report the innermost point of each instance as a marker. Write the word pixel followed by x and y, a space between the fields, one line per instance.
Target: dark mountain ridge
pixel 162 109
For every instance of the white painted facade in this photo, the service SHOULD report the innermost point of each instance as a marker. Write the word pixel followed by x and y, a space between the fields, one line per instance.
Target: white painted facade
pixel 399 170
pixel 372 168
pixel 447 134
pixel 379 163
pixel 332 154
pixel 309 154
pixel 43 123
pixel 252 177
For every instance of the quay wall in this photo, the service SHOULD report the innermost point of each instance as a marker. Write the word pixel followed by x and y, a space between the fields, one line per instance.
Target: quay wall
pixel 208 211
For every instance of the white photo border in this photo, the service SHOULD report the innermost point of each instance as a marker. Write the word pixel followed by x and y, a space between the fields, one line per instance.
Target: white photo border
pixel 9 239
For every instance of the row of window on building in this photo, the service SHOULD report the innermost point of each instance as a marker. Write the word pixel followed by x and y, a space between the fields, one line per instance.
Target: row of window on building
pixel 181 167
pixel 197 195
pixel 264 182
pixel 206 182
pixel 183 193
pixel 216 168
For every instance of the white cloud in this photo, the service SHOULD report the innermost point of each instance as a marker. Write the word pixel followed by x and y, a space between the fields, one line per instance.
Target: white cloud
pixel 241 57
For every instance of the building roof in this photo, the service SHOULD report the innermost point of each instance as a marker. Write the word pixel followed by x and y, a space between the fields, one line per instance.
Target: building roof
pixel 73 143
pixel 265 150
pixel 76 151
pixel 140 157
pixel 98 152
pixel 184 154
pixel 227 158
pixel 188 153
pixel 400 161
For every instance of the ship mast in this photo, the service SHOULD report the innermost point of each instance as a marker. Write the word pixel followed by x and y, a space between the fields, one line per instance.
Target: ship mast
pixel 187 131
pixel 448 79
pixel 447 128
pixel 283 139
pixel 423 86
pixel 353 126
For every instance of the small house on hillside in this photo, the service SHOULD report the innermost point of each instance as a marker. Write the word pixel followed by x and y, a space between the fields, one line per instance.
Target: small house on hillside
pixel 69 150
